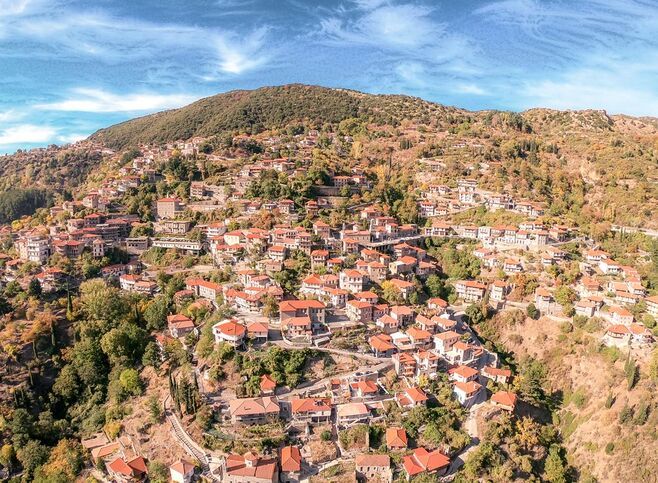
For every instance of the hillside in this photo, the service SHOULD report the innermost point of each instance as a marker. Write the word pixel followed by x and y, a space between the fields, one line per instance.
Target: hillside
pixel 607 424
pixel 588 167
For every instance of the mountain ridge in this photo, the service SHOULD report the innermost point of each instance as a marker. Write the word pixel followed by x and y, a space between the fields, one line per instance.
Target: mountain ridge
pixel 361 103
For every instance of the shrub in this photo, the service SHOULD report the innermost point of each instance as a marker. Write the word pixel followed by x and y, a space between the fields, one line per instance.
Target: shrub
pixel 579 321
pixel 609 448
pixel 532 311
pixel 642 414
pixel 626 414
pixel 579 398
pixel 566 327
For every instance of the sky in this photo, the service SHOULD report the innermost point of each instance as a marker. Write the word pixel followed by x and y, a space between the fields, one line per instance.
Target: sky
pixel 70 67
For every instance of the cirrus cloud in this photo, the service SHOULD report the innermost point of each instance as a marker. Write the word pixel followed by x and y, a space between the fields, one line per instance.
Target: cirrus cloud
pixel 98 100
pixel 27 134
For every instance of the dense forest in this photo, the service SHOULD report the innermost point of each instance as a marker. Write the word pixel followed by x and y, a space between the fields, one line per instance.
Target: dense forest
pixel 15 203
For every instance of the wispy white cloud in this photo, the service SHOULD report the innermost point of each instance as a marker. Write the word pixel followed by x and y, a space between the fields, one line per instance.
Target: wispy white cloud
pixel 98 100
pixel 11 115
pixel 27 134
pixel 242 54
pixel 591 53
pixel 71 138
pixel 12 7
pixel 371 4
pixel 68 34
pixel 411 37
pixel 619 87
pixel 396 27
pixel 470 88
pixel 569 29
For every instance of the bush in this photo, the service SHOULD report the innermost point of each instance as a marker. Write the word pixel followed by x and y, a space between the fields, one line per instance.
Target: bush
pixel 626 414
pixel 609 448
pixel 579 321
pixel 593 325
pixel 532 311
pixel 566 327
pixel 642 414
pixel 579 398
pixel 325 435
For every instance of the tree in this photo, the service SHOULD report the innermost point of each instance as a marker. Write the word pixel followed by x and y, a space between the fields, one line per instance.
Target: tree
pixel 631 372
pixel 103 304
pixel 391 293
pixel 151 355
pixel 155 410
pixel 64 463
pixel 565 295
pixel 67 384
pixel 476 314
pixel 435 287
pixel 21 427
pixel 554 467
pixel 156 313
pixel 204 416
pixel 131 382
pixel 7 456
pixel 5 306
pixel 641 414
pixel 653 366
pixel 89 362
pixel 32 455
pixel 34 288
pixel 532 376
pixel 270 307
pixel 124 345
pixel 532 311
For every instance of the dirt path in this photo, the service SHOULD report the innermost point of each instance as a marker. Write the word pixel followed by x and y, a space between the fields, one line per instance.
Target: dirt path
pixel 473 430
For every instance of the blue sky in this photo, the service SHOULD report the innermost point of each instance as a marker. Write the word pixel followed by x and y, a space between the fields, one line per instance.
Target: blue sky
pixel 69 67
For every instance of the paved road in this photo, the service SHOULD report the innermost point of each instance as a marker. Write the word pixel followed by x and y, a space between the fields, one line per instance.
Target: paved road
pixel 358 355
pixel 322 383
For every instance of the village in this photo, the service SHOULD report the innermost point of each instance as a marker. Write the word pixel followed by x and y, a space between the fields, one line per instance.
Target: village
pixel 366 293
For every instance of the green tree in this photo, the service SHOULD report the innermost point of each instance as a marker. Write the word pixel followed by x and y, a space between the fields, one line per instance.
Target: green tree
pixel 435 287
pixel 531 380
pixel 21 427
pixel 67 384
pixel 31 456
pixel 476 314
pixel 151 355
pixel 155 409
pixel 555 469
pixel 124 345
pixel 131 382
pixel 532 311
pixel 34 288
pixel 155 314
pixel 565 295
